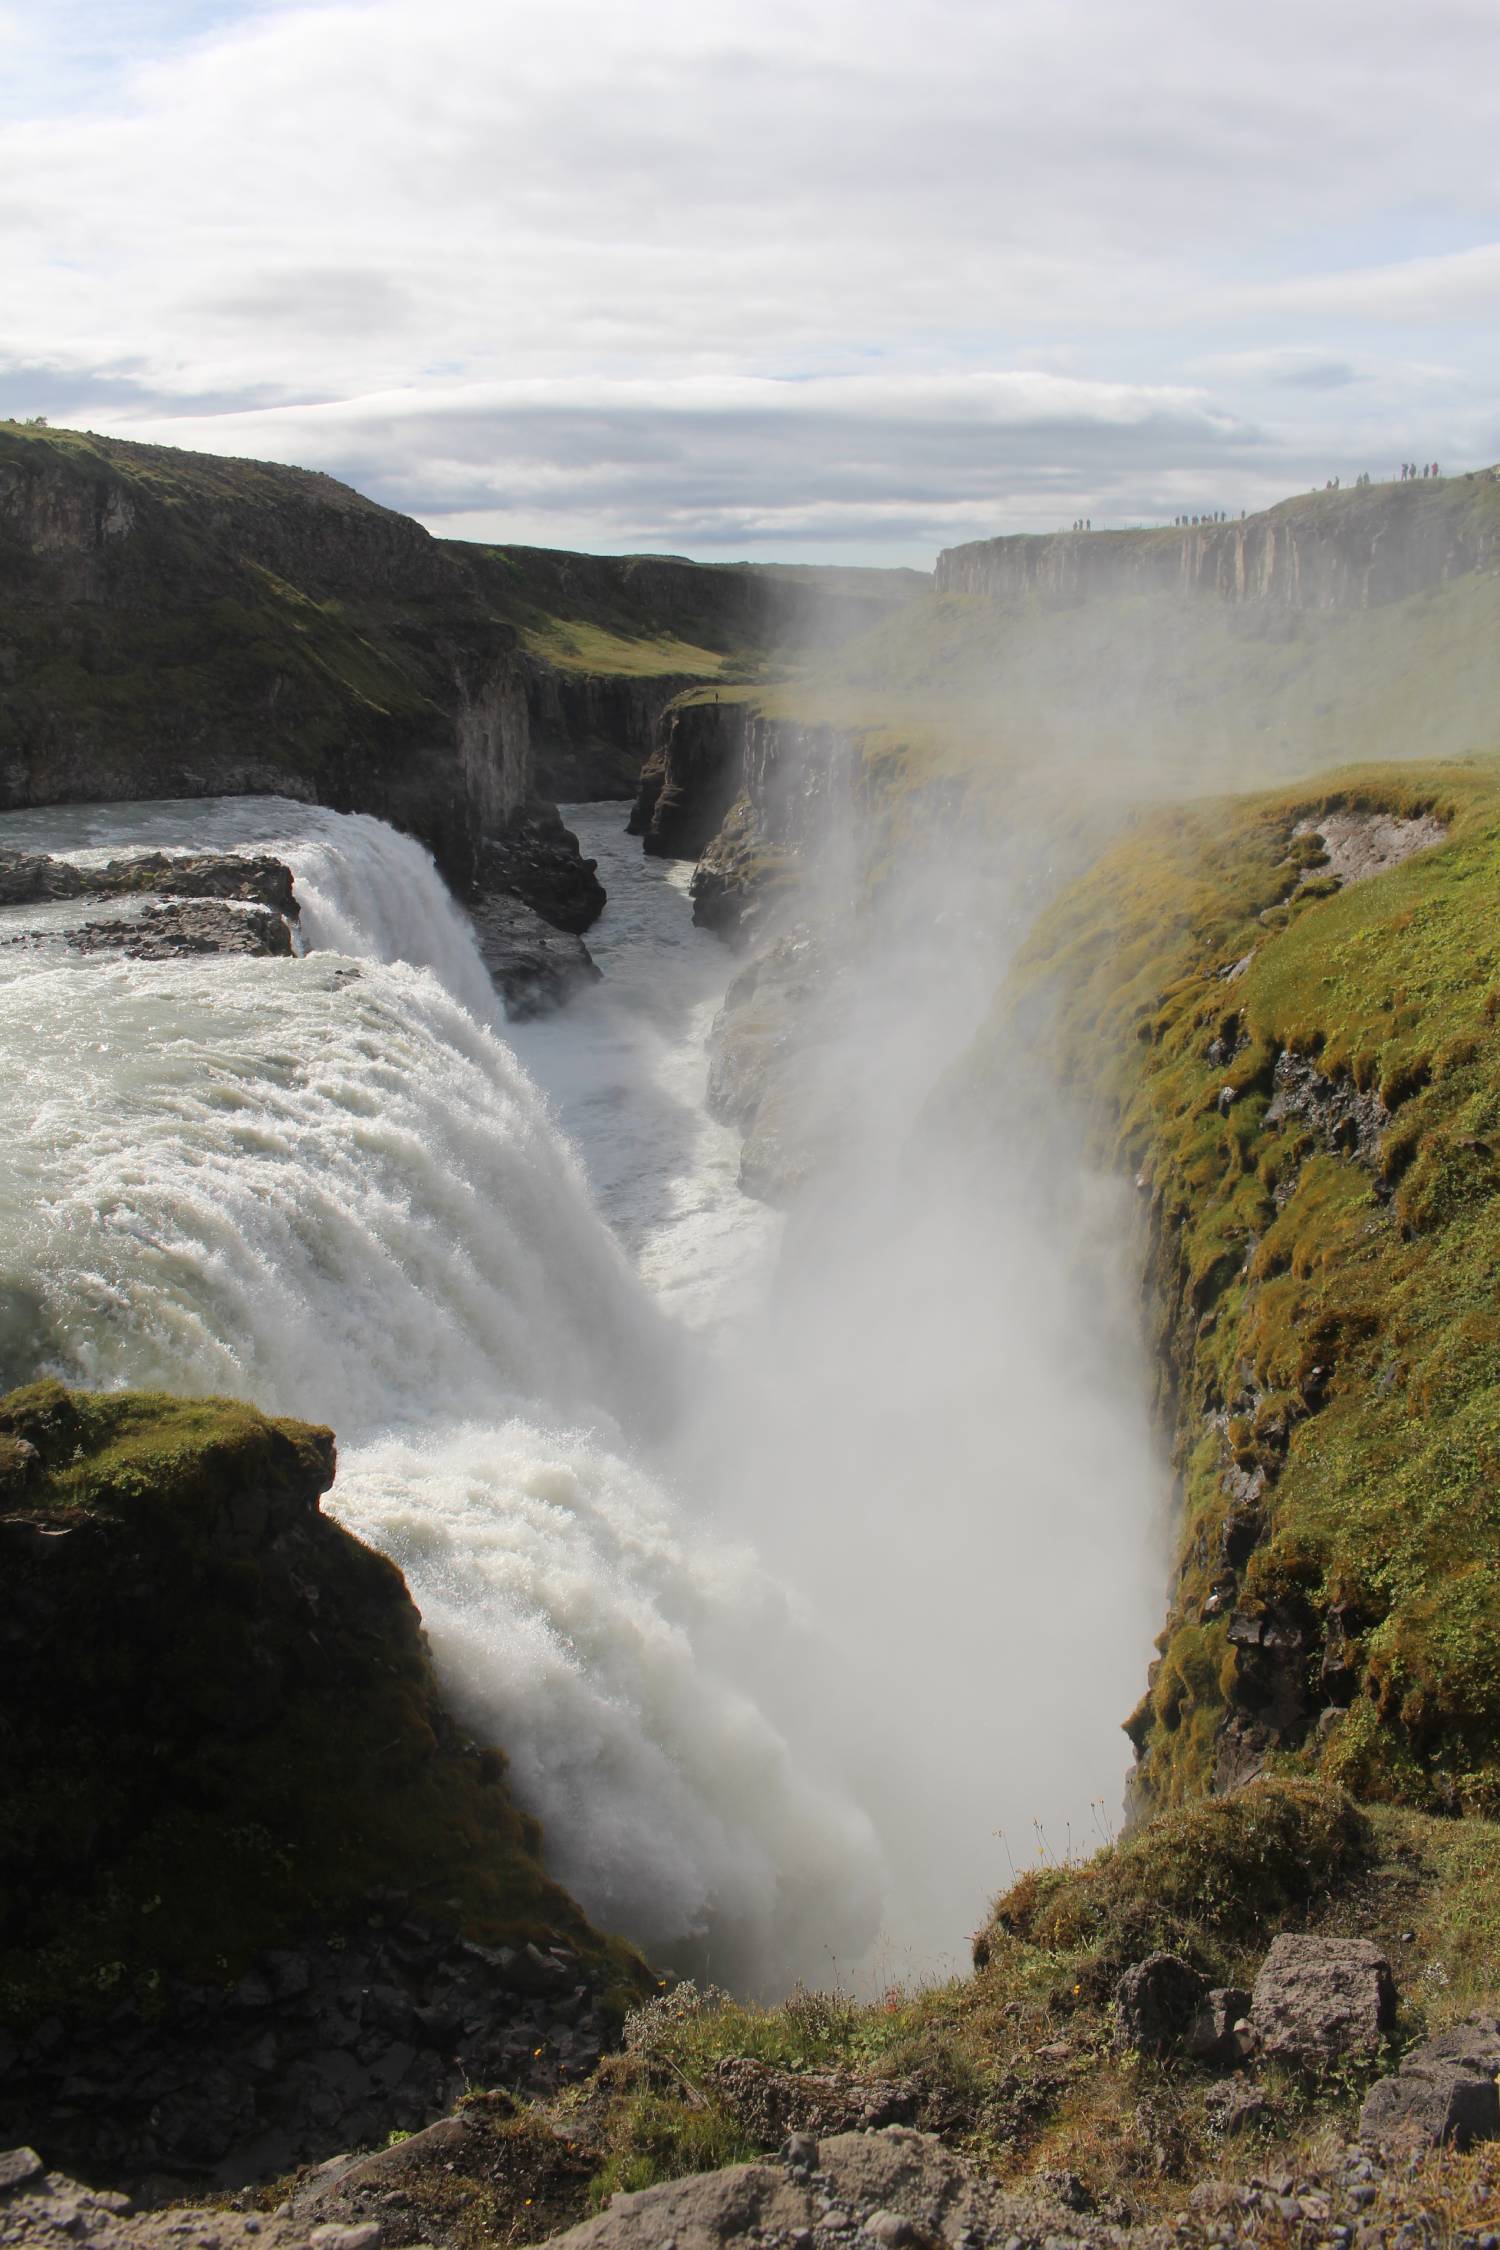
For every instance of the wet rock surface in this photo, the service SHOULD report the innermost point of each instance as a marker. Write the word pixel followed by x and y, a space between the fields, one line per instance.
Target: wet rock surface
pixel 35 879
pixel 211 902
pixel 536 859
pixel 765 1050
pixel 182 929
pixel 533 966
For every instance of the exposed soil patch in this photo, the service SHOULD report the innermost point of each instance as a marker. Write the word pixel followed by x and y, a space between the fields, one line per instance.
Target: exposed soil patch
pixel 1362 844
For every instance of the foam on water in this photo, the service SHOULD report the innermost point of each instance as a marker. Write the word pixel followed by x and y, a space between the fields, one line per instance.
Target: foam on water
pixel 625 1067
pixel 329 1184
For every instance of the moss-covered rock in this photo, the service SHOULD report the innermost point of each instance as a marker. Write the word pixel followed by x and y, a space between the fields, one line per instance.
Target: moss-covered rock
pixel 219 1727
pixel 1304 1080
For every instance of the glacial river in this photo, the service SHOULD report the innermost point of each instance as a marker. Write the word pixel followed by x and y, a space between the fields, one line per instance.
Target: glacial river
pixel 785 1581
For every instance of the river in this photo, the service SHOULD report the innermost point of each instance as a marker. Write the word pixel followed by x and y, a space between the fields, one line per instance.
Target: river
pixel 336 1185
pixel 786 1582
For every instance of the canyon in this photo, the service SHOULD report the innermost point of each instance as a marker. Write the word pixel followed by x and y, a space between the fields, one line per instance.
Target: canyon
pixel 832 1145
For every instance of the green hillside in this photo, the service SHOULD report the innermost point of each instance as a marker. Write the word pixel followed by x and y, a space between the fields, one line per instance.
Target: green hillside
pixel 1304 1082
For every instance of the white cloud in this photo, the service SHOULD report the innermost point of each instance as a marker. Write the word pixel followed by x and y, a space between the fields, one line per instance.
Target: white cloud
pixel 608 227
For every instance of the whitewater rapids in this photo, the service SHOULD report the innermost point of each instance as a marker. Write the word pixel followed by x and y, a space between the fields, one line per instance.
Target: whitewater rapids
pixel 329 1184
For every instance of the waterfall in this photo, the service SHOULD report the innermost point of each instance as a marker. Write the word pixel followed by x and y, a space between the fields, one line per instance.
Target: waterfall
pixel 329 1185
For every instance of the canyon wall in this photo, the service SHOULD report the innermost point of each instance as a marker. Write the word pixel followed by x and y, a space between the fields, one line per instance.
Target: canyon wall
pixel 174 624
pixel 1355 549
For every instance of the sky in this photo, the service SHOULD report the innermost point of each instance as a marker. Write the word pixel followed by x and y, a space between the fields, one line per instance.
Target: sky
pixel 847 280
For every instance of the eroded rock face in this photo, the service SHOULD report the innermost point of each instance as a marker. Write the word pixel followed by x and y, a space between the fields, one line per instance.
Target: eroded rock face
pixel 534 967
pixel 1319 1999
pixel 1347 550
pixel 690 780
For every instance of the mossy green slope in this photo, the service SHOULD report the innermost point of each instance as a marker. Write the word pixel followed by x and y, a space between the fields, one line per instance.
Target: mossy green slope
pixel 1306 1088
pixel 219 1726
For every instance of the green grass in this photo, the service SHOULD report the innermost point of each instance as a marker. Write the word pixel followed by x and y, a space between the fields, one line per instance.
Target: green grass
pixel 1020 2067
pixel 1331 1324
pixel 573 645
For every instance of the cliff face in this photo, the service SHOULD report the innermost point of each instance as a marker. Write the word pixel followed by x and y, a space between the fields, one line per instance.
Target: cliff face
pixel 694 773
pixel 591 733
pixel 223 1761
pixel 748 795
pixel 1283 1029
pixel 173 624
pixel 1358 549
pixel 176 625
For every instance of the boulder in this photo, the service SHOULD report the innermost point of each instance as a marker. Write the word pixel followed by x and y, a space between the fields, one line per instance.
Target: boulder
pixel 1445 2091
pixel 534 966
pixel 1157 2002
pixel 1319 1999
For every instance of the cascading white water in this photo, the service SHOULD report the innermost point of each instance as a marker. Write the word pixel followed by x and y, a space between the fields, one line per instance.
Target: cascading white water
pixel 327 1184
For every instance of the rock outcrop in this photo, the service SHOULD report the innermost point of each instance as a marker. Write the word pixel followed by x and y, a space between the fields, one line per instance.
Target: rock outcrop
pixel 900 2189
pixel 693 775
pixel 259 1895
pixel 1445 2091
pixel 534 966
pixel 183 928
pixel 34 879
pixel 1158 2002
pixel 1328 550
pixel 177 624
pixel 203 903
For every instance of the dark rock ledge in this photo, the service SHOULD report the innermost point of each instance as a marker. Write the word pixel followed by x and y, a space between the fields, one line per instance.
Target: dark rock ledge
pixel 210 902
pixel 260 1897
pixel 531 898
pixel 321 2046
